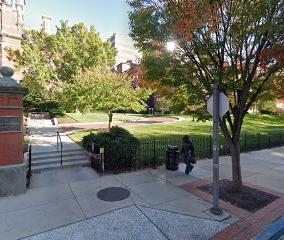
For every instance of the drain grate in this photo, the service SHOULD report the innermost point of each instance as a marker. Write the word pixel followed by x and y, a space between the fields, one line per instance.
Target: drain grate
pixel 113 194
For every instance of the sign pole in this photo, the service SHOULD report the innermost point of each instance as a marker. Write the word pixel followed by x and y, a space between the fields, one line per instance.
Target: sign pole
pixel 216 208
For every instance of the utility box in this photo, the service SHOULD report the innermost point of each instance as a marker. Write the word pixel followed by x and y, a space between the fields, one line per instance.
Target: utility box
pixel 172 158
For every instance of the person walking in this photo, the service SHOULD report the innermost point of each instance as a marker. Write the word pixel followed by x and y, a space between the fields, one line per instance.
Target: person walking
pixel 188 151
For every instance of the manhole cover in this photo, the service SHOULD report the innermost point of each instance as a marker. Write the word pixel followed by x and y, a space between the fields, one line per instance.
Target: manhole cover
pixel 113 194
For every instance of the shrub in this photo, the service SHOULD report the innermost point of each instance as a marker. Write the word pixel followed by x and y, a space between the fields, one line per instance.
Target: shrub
pixel 120 147
pixel 268 107
pixel 39 105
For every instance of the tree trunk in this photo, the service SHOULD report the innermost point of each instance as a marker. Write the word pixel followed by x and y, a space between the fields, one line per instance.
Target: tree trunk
pixel 236 166
pixel 110 114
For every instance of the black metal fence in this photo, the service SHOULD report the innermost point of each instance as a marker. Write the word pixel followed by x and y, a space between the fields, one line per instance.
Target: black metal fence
pixel 151 153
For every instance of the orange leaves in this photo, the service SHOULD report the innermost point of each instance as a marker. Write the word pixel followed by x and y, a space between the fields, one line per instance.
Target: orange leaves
pixel 186 16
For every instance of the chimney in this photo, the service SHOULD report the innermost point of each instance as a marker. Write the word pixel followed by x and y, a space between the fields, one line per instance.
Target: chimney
pixel 46 24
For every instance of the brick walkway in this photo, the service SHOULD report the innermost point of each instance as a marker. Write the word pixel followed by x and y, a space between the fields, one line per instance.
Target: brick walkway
pixel 250 224
pixel 147 121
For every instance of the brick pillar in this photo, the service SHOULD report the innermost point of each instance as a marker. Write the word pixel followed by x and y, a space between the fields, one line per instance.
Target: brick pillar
pixel 12 164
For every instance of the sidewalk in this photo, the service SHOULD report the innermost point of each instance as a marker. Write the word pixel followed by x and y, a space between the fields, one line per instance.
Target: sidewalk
pixel 158 208
pixel 43 136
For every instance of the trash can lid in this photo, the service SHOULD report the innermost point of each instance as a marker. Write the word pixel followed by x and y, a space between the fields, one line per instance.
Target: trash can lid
pixel 171 147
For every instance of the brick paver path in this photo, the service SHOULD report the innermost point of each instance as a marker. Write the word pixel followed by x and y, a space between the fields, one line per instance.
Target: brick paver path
pixel 82 126
pixel 250 224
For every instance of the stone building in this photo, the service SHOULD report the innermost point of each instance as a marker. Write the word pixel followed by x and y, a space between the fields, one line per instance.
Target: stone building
pixel 11 28
pixel 126 51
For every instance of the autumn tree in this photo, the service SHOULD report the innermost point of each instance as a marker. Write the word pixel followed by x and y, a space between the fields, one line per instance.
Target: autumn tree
pixel 235 44
pixel 103 90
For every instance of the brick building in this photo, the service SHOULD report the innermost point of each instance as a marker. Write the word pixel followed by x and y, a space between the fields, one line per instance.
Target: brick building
pixel 11 27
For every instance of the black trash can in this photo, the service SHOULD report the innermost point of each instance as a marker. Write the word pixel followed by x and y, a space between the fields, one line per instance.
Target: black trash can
pixel 172 158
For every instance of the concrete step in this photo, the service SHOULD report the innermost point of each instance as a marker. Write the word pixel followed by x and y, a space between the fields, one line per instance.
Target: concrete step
pixel 77 154
pixel 79 163
pixel 71 151
pixel 50 161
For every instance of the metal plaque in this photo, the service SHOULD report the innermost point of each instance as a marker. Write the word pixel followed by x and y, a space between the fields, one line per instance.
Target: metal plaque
pixel 10 124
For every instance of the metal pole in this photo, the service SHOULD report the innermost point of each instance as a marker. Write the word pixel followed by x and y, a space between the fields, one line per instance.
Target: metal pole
pixel 245 142
pixel 61 157
pixel 155 154
pixel 210 146
pixel 57 140
pixel 216 208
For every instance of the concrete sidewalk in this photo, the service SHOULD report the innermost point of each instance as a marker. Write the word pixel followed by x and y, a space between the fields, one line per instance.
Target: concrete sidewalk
pixel 43 136
pixel 45 208
pixel 156 209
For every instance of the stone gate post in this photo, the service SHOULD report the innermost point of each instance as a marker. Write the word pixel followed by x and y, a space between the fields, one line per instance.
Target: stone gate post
pixel 12 163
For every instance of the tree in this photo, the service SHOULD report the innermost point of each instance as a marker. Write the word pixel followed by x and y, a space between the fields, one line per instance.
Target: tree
pixel 232 43
pixel 101 89
pixel 49 60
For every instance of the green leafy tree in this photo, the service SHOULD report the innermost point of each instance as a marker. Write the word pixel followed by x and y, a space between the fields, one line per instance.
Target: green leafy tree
pixel 103 90
pixel 235 44
pixel 49 60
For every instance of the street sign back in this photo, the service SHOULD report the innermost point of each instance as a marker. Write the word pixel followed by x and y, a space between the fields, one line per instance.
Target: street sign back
pixel 223 104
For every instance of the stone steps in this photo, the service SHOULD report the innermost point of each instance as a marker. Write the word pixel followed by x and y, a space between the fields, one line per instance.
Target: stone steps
pixel 52 159
pixel 56 154
pixel 84 163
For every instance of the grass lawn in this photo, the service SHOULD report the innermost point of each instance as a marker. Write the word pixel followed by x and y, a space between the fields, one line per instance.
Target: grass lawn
pixel 253 124
pixel 156 138
pixel 103 117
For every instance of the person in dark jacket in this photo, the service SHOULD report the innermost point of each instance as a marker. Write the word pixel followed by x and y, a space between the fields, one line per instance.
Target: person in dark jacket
pixel 188 151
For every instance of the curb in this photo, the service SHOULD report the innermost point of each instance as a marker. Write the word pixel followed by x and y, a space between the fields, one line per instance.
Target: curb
pixel 273 231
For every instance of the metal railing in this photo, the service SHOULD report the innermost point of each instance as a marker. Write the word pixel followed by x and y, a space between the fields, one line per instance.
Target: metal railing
pixel 59 142
pixel 29 167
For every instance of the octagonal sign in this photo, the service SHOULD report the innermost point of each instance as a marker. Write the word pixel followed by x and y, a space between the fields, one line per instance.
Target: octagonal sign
pixel 223 104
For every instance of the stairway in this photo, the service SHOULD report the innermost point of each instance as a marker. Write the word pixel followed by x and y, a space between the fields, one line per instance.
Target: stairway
pixel 52 159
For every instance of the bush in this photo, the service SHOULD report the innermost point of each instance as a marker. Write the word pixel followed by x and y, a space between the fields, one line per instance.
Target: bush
pixel 268 107
pixel 40 105
pixel 120 147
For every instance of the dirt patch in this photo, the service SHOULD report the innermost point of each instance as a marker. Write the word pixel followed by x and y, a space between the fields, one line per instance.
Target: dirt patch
pixel 249 199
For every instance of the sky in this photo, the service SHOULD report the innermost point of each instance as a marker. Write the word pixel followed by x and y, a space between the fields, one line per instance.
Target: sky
pixel 108 16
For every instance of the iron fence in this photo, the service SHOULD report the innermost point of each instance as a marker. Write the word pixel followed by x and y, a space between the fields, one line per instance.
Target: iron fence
pixel 151 153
